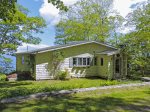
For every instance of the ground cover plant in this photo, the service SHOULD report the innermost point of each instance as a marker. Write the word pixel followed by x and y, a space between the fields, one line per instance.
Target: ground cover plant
pixel 131 99
pixel 21 88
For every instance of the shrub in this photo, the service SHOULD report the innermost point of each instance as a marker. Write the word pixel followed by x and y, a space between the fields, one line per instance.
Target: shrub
pixel 2 77
pixel 62 75
pixel 24 76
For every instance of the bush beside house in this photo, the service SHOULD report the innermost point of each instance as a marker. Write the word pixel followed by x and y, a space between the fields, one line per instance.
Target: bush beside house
pixel 63 75
pixel 24 76
pixel 2 77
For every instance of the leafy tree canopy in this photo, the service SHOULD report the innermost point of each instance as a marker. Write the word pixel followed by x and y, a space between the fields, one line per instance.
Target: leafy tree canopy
pixel 5 65
pixel 137 42
pixel 13 33
pixel 17 27
pixel 8 8
pixel 86 20
pixel 19 30
pixel 59 4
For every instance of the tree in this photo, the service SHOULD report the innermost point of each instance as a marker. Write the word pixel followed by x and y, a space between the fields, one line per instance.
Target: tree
pixel 8 8
pixel 5 65
pixel 117 25
pixel 58 58
pixel 21 29
pixel 137 42
pixel 86 20
pixel 59 4
pixel 13 33
pixel 16 27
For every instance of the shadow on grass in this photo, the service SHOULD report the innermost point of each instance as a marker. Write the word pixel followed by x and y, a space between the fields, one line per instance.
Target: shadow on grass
pixel 14 89
pixel 79 104
pixel 7 84
pixel 96 77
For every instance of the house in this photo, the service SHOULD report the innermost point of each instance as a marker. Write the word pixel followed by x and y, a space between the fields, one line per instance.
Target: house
pixel 81 59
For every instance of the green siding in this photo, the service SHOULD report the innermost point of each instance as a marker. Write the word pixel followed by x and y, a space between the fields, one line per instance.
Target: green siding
pixel 104 71
pixel 46 57
pixel 19 65
pixel 91 48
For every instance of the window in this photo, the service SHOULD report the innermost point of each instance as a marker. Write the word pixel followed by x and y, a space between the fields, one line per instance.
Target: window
pixel 74 61
pixel 102 62
pixel 117 66
pixel 79 61
pixel 88 61
pixel 84 61
pixel 22 59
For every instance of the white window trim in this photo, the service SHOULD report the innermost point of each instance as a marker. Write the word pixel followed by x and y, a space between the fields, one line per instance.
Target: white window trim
pixel 77 64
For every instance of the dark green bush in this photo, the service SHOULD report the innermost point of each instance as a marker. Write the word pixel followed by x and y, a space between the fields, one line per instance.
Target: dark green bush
pixel 2 77
pixel 24 75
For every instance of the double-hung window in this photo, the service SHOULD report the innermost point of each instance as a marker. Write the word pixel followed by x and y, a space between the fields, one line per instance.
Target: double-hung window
pixel 74 61
pixel 81 61
pixel 84 61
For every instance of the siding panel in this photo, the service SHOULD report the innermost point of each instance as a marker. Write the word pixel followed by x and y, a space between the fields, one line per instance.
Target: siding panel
pixel 42 72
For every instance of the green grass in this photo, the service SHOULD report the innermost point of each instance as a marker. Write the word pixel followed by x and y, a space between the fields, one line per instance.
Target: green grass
pixel 21 88
pixel 132 99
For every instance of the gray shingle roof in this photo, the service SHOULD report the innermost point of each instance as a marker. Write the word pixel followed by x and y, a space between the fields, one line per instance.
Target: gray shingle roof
pixel 64 46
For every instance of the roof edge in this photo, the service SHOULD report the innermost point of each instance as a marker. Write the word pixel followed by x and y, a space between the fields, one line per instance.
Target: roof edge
pixel 67 46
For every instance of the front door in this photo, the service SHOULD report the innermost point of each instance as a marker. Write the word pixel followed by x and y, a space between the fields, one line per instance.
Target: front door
pixel 117 66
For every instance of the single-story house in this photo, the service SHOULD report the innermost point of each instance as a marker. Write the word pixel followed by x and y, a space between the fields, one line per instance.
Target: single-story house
pixel 81 59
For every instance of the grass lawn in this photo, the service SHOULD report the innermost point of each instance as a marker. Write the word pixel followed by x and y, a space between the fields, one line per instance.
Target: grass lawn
pixel 132 99
pixel 20 88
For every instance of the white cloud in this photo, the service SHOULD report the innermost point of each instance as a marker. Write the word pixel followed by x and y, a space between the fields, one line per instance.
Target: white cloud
pixel 123 6
pixel 25 46
pixel 69 2
pixel 50 13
